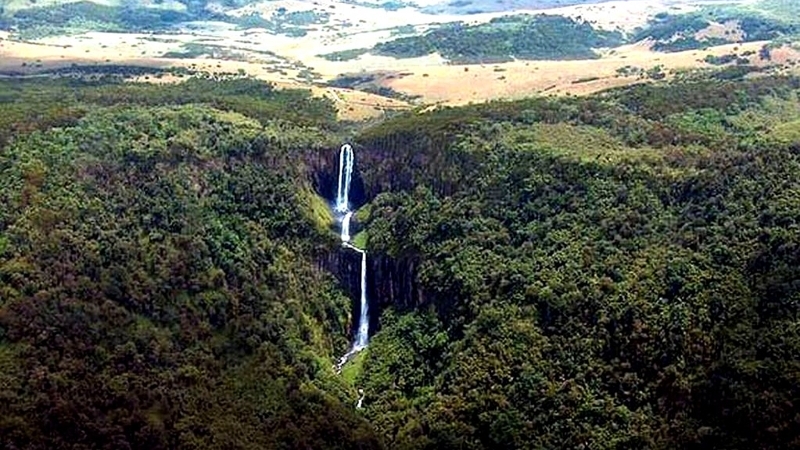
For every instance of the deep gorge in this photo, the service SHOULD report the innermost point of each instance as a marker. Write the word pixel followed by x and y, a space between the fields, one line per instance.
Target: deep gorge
pixel 614 272
pixel 392 281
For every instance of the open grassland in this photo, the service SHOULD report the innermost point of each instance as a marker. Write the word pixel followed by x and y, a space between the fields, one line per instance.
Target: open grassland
pixel 427 77
pixel 25 58
pixel 296 61
pixel 481 82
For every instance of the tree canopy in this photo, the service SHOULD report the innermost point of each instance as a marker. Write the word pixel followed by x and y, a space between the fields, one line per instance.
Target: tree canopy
pixel 157 281
pixel 614 271
pixel 619 271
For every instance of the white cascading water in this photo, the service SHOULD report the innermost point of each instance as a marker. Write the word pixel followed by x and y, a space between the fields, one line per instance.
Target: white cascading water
pixel 346 226
pixel 363 320
pixel 360 399
pixel 345 175
pixel 342 207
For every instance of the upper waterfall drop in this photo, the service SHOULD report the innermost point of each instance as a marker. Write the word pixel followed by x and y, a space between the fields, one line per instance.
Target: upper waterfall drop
pixel 345 176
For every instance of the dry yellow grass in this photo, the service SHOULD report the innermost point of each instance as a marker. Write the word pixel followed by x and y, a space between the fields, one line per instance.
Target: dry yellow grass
pixel 29 58
pixel 476 82
pixel 352 26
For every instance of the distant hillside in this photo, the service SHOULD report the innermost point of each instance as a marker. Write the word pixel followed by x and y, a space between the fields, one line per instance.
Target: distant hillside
pixel 504 39
pixel 33 22
pixel 715 26
pixel 484 6
pixel 181 5
pixel 84 16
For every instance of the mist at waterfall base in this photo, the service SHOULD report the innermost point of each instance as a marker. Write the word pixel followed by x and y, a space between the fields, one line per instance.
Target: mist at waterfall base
pixel 344 215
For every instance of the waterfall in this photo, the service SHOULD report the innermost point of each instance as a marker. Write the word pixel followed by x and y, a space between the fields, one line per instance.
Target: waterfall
pixel 345 175
pixel 362 334
pixel 346 227
pixel 360 399
pixel 342 207
pixel 363 320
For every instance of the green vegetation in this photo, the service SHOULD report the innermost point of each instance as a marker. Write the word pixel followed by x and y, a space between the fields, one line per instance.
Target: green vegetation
pixel 665 26
pixel 107 72
pixel 655 73
pixel 362 213
pixel 613 271
pixel 192 50
pixel 678 32
pixel 78 17
pixel 505 38
pixel 360 239
pixel 353 369
pixel 158 287
pixel 628 71
pixel 85 16
pixel 785 10
pixel 291 24
pixel 725 59
pixel 618 271
pixel 389 5
pixel 352 80
pixel 675 33
pixel 403 30
pixel 345 55
pixel 318 210
pixel 734 72
pixel 787 132
pixel 368 82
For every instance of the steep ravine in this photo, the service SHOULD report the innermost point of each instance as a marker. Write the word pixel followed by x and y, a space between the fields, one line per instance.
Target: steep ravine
pixel 390 165
pixel 390 281
pixel 388 161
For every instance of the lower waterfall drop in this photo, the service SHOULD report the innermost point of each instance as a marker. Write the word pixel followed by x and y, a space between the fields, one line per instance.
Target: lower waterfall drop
pixel 362 334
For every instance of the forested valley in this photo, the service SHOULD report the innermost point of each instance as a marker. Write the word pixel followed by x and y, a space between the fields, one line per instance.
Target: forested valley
pixel 614 271
pixel 156 270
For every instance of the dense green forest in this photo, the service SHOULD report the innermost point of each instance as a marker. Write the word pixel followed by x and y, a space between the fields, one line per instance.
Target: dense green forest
pixel 157 281
pixel 614 271
pixel 621 271
pixel 505 38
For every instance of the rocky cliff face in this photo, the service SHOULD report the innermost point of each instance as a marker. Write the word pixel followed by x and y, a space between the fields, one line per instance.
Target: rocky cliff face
pixel 345 265
pixel 390 281
pixel 401 162
pixel 322 166
pixel 393 282
pixel 387 165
